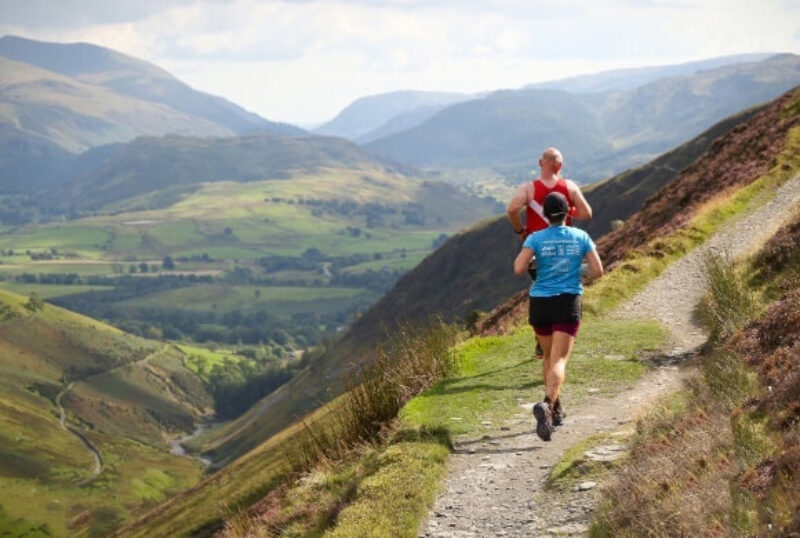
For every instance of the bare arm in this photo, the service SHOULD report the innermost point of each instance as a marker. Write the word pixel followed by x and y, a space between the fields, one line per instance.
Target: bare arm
pixel 594 264
pixel 522 261
pixel 583 210
pixel 515 206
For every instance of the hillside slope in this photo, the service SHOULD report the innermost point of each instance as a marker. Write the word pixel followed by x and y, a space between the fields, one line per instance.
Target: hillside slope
pixel 138 79
pixel 120 397
pixel 151 164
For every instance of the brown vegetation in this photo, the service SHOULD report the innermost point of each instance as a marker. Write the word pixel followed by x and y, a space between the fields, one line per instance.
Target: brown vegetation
pixel 732 161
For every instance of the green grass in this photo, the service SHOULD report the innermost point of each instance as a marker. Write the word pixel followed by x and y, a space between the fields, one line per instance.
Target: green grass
pixel 72 236
pixel 48 291
pixel 226 298
pixel 395 262
pixel 497 374
pixel 202 360
pixel 40 462
pixel 90 268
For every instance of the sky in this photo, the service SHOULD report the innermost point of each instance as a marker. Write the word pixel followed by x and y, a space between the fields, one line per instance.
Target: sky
pixel 302 61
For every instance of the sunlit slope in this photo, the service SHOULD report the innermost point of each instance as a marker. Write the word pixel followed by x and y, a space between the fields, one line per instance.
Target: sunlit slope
pixel 279 216
pixel 123 394
pixel 76 115
pixel 156 163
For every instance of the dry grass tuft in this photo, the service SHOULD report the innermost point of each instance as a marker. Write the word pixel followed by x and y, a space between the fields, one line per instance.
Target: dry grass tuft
pixel 675 482
pixel 728 303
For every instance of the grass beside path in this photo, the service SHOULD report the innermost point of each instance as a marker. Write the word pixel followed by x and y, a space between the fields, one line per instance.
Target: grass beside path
pixel 389 490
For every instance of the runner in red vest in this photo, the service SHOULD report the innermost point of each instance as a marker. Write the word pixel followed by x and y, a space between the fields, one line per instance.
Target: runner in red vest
pixel 531 196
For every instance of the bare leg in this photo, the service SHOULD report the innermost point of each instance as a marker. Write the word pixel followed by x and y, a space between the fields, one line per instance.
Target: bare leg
pixel 545 342
pixel 557 355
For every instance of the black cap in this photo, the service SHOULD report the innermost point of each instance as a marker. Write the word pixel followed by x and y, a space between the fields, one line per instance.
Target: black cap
pixel 555 206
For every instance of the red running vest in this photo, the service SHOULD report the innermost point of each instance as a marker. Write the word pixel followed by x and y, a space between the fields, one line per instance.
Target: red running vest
pixel 534 211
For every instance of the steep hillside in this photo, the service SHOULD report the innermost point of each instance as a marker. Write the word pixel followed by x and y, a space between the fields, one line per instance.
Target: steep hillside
pixel 84 403
pixel 600 134
pixel 369 113
pixel 29 162
pixel 619 197
pixel 138 79
pixel 472 271
pixel 76 115
pixel 732 161
pixel 152 164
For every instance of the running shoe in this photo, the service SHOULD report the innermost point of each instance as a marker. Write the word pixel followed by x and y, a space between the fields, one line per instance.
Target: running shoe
pixel 544 420
pixel 558 414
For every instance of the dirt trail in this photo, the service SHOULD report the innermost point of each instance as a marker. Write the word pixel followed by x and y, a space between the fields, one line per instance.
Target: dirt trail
pixel 496 484
pixel 96 454
pixel 98 457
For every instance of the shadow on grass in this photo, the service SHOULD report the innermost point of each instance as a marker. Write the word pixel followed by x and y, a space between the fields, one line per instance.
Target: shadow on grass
pixel 488 439
pixel 442 391
pixel 446 386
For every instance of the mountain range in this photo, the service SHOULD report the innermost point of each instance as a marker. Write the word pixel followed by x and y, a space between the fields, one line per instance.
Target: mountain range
pixel 599 133
pixel 377 116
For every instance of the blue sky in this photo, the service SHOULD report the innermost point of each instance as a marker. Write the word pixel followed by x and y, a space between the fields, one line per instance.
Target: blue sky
pixel 304 60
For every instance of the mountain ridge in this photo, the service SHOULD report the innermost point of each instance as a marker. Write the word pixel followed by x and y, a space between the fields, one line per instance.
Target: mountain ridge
pixel 635 125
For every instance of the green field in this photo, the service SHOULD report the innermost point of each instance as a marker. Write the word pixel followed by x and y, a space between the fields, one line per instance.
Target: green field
pixel 48 291
pixel 226 298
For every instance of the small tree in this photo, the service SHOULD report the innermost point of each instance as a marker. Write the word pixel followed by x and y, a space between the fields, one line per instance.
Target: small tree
pixel 35 303
pixel 168 263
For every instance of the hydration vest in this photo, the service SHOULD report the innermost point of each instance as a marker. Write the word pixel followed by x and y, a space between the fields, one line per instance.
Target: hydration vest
pixel 534 211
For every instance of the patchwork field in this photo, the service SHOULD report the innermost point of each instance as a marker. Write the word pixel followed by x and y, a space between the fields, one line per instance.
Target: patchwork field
pixel 323 246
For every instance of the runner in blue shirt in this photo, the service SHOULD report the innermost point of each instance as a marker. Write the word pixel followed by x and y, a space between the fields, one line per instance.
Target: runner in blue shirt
pixel 555 300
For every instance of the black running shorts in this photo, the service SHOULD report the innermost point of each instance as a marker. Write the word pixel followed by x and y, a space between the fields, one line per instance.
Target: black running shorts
pixel 558 309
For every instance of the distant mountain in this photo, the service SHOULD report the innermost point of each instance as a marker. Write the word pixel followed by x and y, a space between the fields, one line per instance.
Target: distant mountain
pixel 620 196
pixel 80 96
pixel 628 79
pixel 111 174
pixel 502 130
pixel 401 122
pixel 600 134
pixel 370 113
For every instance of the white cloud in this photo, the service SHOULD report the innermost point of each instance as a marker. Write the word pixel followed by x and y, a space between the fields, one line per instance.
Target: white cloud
pixel 304 60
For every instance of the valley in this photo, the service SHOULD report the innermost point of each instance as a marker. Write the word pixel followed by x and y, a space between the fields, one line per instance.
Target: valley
pixel 189 292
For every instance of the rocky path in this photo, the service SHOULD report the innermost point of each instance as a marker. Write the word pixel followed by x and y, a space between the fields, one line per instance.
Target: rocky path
pixel 496 484
pixel 672 297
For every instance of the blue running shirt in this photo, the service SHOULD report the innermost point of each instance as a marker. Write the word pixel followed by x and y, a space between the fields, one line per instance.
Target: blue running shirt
pixel 559 252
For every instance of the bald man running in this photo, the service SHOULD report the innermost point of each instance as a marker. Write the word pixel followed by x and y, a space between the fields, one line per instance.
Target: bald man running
pixel 530 196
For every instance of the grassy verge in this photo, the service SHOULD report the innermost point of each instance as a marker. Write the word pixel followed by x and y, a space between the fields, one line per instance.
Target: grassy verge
pixel 386 489
pixel 727 461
